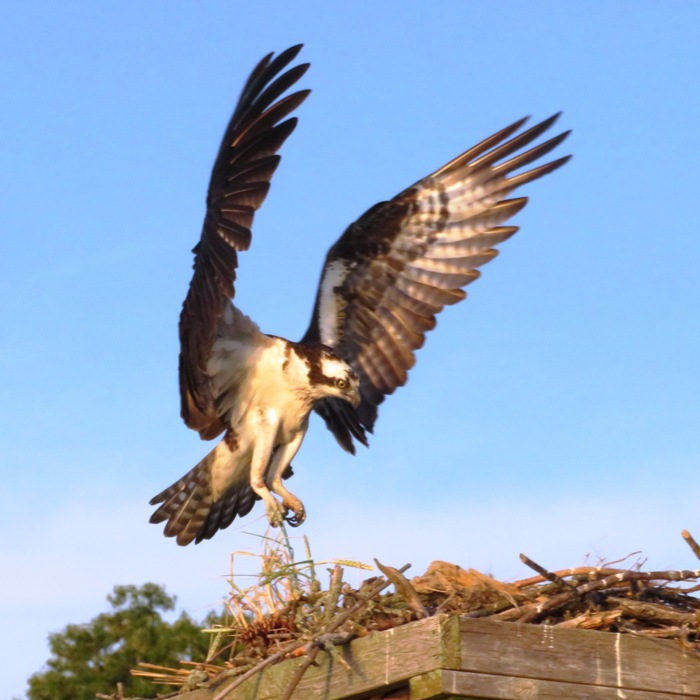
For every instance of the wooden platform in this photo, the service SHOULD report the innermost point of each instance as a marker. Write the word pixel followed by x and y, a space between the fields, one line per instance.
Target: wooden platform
pixel 451 658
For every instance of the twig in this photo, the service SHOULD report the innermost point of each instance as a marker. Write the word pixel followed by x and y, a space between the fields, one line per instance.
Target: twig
pixel 609 564
pixel 590 572
pixel 405 589
pixel 156 667
pixel 691 543
pixel 259 667
pixel 296 679
pixel 333 595
pixel 327 642
pixel 652 612
pixel 591 620
pixel 534 611
pixel 377 587
pixel 549 575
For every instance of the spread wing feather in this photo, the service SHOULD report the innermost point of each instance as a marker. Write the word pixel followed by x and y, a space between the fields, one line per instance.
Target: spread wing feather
pixel 240 180
pixel 404 260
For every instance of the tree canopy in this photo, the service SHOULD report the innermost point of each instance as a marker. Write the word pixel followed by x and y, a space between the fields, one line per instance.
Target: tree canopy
pixel 93 657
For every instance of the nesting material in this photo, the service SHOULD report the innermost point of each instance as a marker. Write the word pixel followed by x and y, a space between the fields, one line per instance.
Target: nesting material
pixel 287 613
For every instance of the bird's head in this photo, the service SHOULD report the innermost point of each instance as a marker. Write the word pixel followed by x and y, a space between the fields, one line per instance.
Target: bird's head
pixel 336 378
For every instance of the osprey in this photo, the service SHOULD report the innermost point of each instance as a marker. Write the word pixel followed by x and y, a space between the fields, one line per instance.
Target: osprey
pixel 382 284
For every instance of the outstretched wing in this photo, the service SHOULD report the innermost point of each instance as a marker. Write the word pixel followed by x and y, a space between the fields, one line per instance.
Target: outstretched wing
pixel 239 183
pixel 397 266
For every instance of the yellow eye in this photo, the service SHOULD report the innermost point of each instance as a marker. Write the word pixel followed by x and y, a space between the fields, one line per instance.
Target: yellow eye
pixel 341 383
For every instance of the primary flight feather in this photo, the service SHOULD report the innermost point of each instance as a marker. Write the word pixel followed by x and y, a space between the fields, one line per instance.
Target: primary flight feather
pixel 382 284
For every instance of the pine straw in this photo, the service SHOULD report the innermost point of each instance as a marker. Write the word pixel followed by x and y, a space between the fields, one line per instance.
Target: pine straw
pixel 287 613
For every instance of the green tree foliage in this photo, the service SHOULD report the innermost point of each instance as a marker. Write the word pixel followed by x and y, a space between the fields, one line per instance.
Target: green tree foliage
pixel 93 657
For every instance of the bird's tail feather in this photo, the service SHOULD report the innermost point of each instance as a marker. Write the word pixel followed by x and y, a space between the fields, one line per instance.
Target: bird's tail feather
pixel 185 504
pixel 189 510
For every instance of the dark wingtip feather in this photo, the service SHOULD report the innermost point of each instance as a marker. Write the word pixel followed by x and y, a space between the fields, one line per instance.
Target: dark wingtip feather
pixel 560 161
pixel 253 134
pixel 290 54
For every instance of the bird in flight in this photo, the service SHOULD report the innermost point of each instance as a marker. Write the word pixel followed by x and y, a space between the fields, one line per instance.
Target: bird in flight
pixel 382 284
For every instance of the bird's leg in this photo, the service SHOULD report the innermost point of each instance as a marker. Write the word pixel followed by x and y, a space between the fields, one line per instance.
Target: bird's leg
pixel 265 429
pixel 280 460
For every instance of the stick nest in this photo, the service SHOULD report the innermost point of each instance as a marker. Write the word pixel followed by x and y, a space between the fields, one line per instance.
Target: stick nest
pixel 287 613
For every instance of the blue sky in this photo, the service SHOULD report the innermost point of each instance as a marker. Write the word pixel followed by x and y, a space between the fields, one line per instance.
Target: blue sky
pixel 555 412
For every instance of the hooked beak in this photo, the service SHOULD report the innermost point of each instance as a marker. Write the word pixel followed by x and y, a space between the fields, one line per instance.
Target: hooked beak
pixel 355 398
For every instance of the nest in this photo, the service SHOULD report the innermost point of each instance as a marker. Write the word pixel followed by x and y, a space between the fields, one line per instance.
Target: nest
pixel 287 613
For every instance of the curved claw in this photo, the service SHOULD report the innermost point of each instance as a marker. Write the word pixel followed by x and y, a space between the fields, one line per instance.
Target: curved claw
pixel 296 519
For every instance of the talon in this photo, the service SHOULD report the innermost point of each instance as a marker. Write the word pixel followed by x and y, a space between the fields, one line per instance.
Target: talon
pixel 296 519
pixel 290 504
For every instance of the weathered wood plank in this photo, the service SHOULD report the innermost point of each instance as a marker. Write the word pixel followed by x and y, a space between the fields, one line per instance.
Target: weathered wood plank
pixel 501 660
pixel 380 660
pixel 579 656
pixel 465 685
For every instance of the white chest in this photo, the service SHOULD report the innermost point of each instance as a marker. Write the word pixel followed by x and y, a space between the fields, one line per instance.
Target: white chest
pixel 274 387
